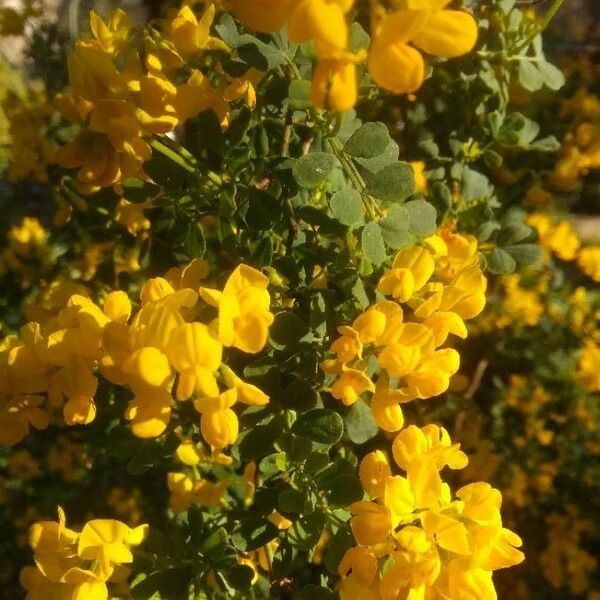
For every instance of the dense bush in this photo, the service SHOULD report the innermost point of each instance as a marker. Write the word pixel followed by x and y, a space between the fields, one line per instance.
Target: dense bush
pixel 293 304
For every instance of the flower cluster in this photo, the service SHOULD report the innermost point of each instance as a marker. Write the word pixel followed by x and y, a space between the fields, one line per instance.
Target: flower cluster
pixel 562 240
pixel 120 96
pixel 27 247
pixel 159 350
pixel 434 288
pixel 589 365
pixel 430 544
pixel 565 561
pixel 580 150
pixel 521 304
pixel 393 60
pixel 30 147
pixel 79 565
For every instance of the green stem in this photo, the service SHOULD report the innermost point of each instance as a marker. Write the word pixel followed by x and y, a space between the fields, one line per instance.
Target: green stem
pixel 171 155
pixel 183 158
pixel 354 176
pixel 550 14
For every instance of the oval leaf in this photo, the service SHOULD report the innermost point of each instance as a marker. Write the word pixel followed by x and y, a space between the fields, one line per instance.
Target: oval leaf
pixel 320 425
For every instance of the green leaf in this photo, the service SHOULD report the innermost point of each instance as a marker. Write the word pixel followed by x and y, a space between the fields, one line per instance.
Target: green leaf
pixel 530 76
pixel 422 217
pixel 287 329
pixel 474 185
pixel 206 135
pixel 368 141
pixel 553 77
pixel 345 490
pixel 295 447
pixel 336 549
pixel 299 94
pixel 347 207
pixel 194 241
pixel 393 183
pixel 313 169
pixel 283 559
pixel 525 254
pixel 320 425
pixel 486 230
pixel 372 243
pixel 227 30
pixel 254 532
pixel 258 441
pixel 137 190
pixel 546 144
pixel 299 395
pixel 263 210
pixel 360 425
pixel 359 38
pixel 394 227
pixel 265 373
pixel 312 591
pixel 500 262
pixel 387 157
pixel 258 54
pixel 492 159
pixel 273 464
pixel 315 462
pixel 169 583
pixel 148 455
pixel 291 501
pixel 215 544
pixel 240 577
pixel 306 531
pixel 513 232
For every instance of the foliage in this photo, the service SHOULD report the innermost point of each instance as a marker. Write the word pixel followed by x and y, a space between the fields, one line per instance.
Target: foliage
pixel 285 287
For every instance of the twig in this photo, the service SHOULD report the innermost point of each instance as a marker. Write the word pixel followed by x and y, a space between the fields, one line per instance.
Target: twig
pixel 477 377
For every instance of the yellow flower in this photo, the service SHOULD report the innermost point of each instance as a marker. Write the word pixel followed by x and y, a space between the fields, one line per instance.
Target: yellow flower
pixel 27 236
pixel 560 238
pixel 246 392
pixel 197 95
pixel 334 84
pixel 112 36
pixel 350 384
pixel 398 498
pixel 420 178
pixel 181 488
pixel 149 366
pixel 218 423
pixel 196 355
pixel 323 21
pixel 412 268
pixel 426 24
pixel 17 414
pixel 157 112
pixel 588 260
pixel 188 34
pixel 371 524
pixel 385 404
pixel 589 367
pixel 348 346
pixel 108 542
pixel 373 472
pixel 422 453
pixel 149 411
pixel 76 566
pixel 262 15
pixel 244 316
pixel 371 324
pixel 432 376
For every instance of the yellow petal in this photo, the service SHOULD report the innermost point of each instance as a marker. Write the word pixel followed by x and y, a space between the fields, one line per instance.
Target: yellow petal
pixel 447 33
